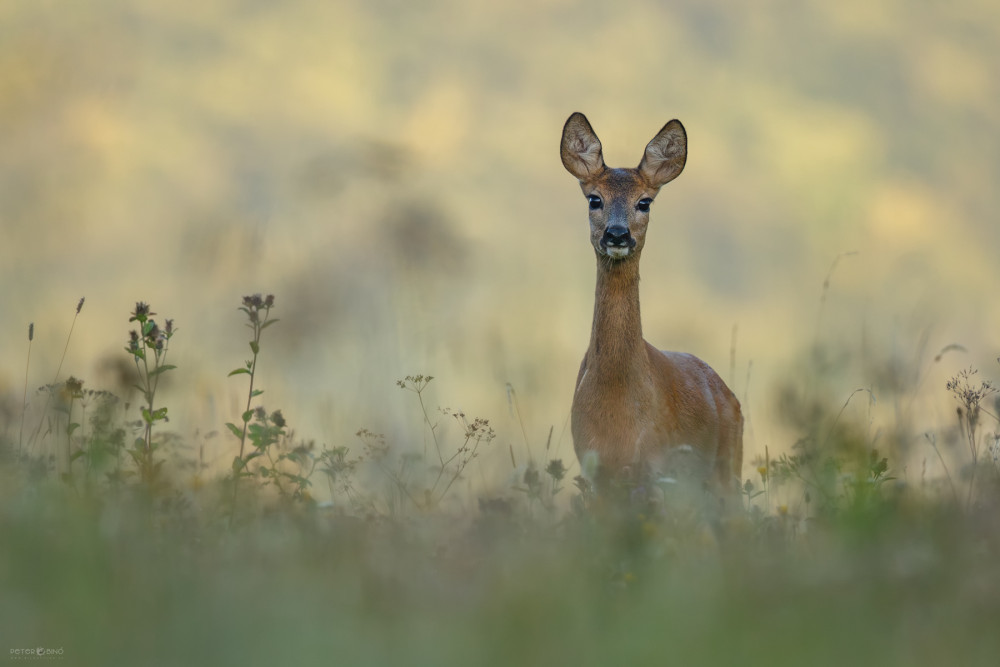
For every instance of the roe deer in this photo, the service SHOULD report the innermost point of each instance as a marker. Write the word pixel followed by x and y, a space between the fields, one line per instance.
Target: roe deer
pixel 638 408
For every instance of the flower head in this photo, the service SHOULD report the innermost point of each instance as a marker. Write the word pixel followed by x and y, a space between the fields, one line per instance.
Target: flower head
pixel 141 312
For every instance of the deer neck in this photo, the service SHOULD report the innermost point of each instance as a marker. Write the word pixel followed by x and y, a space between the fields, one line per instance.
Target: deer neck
pixel 617 351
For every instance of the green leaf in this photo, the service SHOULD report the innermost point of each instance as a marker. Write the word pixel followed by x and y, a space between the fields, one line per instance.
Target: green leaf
pixel 146 416
pixel 247 416
pixel 239 371
pixel 254 347
pixel 161 369
pixel 268 323
pixel 237 464
pixel 160 414
pixel 75 455
pixel 256 392
pixel 238 432
pixel 71 427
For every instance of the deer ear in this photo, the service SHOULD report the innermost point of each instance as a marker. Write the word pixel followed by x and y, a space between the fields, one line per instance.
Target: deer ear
pixel 665 155
pixel 581 149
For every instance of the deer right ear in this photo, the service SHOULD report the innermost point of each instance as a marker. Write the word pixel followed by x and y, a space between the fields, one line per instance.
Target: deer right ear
pixel 581 149
pixel 665 155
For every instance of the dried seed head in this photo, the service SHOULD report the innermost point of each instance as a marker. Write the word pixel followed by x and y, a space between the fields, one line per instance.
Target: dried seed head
pixel 141 311
pixel 555 469
pixel 80 305
pixel 968 395
pixel 253 301
pixel 31 332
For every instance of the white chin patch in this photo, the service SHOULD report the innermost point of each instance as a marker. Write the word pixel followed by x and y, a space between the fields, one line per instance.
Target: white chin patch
pixel 617 253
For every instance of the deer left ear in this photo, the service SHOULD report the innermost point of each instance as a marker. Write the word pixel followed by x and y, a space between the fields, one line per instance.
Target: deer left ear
pixel 580 148
pixel 665 155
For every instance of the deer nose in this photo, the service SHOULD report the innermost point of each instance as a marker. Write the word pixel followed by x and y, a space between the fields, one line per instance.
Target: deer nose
pixel 617 236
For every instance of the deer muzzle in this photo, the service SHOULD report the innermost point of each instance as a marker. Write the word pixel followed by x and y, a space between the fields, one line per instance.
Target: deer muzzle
pixel 617 241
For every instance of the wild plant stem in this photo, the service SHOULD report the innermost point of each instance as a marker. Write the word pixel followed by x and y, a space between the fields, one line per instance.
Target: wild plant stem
pixel 951 483
pixel 243 437
pixel 48 398
pixel 460 468
pixel 66 346
pixel 258 327
pixel 444 465
pixel 427 420
pixel 767 480
pixel 970 433
pixel 826 290
pixel 148 395
pixel 143 373
pixel 24 398
pixel 516 407
pixel 69 437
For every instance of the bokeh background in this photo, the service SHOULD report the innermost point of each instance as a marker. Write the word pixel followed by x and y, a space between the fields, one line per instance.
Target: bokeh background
pixel 390 171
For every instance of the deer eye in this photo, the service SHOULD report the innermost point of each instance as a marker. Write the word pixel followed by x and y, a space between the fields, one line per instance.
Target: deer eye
pixel 595 202
pixel 643 204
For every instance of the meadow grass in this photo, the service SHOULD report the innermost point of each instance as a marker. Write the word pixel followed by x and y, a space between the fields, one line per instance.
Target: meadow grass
pixel 360 553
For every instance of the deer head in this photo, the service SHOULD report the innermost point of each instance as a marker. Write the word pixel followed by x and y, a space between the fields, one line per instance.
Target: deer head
pixel 620 198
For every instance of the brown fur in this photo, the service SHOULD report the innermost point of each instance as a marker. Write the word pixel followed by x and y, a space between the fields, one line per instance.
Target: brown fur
pixel 635 405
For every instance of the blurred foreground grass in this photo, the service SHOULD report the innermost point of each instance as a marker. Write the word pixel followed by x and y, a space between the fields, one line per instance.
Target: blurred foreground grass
pixel 129 552
pixel 111 583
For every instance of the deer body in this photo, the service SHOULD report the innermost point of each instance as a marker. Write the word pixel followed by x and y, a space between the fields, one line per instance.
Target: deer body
pixel 635 406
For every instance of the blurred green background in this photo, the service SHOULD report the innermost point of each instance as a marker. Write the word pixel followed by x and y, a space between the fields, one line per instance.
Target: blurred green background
pixel 390 171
